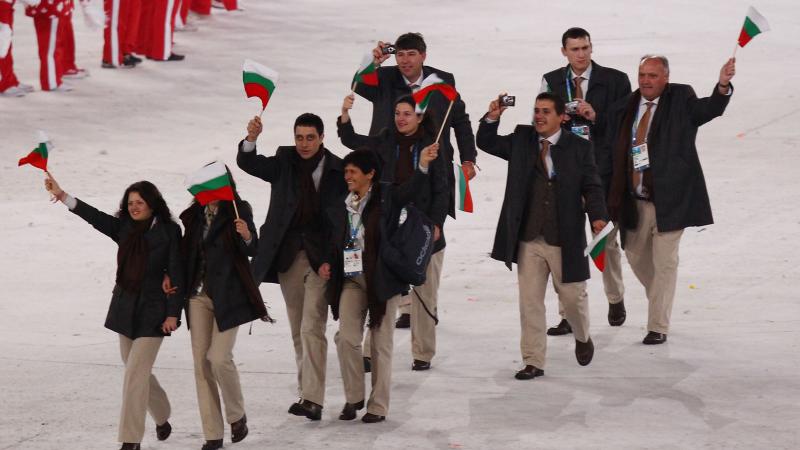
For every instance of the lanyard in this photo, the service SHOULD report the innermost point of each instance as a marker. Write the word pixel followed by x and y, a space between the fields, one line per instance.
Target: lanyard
pixel 414 154
pixel 569 83
pixel 353 229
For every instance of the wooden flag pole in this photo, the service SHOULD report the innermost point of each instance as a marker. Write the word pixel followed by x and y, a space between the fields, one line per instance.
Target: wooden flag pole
pixel 353 89
pixel 235 209
pixel 444 121
pixel 735 47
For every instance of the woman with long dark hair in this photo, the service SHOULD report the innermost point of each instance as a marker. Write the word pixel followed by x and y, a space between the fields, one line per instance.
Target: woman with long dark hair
pixel 221 295
pixel 147 299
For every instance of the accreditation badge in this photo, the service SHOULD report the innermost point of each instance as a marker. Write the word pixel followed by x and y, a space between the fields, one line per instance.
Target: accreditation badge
pixel 353 262
pixel 640 156
pixel 581 131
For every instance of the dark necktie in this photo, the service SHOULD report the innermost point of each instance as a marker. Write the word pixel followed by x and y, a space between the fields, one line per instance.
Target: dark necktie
pixel 545 151
pixel 641 138
pixel 578 89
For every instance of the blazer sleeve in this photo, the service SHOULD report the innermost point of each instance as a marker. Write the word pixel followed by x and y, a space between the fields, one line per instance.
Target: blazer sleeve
pixel 465 138
pixel 351 139
pixel 591 187
pixel 102 222
pixel 246 214
pixel 703 110
pixel 260 166
pixel 622 88
pixel 175 272
pixel 490 142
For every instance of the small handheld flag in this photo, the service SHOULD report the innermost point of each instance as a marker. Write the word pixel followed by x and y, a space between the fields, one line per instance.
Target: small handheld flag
pixel 464 194
pixel 597 248
pixel 754 24
pixel 259 81
pixel 432 83
pixel 38 157
pixel 211 182
pixel 367 72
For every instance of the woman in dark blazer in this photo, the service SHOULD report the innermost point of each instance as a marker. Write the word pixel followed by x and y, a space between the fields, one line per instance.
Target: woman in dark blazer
pixel 221 295
pixel 146 301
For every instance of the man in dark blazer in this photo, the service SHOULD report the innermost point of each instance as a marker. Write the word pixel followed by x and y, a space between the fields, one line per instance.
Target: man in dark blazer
pixel 592 89
pixel 404 79
pixel 306 179
pixel 658 188
pixel 551 174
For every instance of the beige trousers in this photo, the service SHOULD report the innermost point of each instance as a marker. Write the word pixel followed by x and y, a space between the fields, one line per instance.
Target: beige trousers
pixel 653 256
pixel 612 275
pixel 423 327
pixel 214 370
pixel 141 392
pixel 352 315
pixel 304 293
pixel 536 260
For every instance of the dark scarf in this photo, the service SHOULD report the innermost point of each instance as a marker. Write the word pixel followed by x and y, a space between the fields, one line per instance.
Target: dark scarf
pixel 372 243
pixel 132 257
pixel 404 166
pixel 193 222
pixel 619 206
pixel 308 203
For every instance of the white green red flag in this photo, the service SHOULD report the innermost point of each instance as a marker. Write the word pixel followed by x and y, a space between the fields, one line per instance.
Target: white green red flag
pixel 38 156
pixel 212 182
pixel 597 248
pixel 432 83
pixel 754 24
pixel 464 194
pixel 367 72
pixel 259 81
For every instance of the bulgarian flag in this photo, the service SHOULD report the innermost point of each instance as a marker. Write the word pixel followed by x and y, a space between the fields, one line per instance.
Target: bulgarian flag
pixel 754 24
pixel 212 182
pixel 259 81
pixel 432 83
pixel 367 72
pixel 597 248
pixel 38 157
pixel 464 195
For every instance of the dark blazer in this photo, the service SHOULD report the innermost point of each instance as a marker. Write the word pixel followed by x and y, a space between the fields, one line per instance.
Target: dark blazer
pixel 224 286
pixel 391 86
pixel 573 161
pixel 141 315
pixel 680 194
pixel 431 198
pixel 278 171
pixel 606 87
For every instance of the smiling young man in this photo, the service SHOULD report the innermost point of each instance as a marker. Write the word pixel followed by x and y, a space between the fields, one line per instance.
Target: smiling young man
pixel 592 89
pixel 551 173
pixel 306 179
pixel 658 188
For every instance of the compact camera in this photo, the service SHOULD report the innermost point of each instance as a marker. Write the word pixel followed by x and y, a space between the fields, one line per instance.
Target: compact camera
pixel 389 49
pixel 572 108
pixel 507 100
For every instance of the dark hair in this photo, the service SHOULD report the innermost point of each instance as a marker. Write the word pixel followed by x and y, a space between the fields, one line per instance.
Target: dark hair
pixel 428 126
pixel 574 33
pixel 411 41
pixel 151 195
pixel 310 120
pixel 556 99
pixel 365 160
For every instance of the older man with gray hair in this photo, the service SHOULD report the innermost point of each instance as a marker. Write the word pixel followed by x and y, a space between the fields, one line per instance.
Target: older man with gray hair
pixel 657 186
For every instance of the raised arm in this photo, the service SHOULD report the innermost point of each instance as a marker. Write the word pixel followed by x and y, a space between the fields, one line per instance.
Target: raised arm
pixel 248 160
pixel 487 137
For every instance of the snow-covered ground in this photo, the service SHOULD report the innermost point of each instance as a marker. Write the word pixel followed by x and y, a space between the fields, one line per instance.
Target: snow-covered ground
pixel 727 378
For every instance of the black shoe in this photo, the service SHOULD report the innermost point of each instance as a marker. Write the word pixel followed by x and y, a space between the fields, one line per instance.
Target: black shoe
pixel 216 444
pixel 372 418
pixel 584 351
pixel 420 365
pixel 130 61
pixel 239 429
pixel 561 329
pixel 616 313
pixel 367 364
pixel 313 411
pixel 404 321
pixel 529 372
pixel 129 446
pixel 654 338
pixel 133 58
pixel 172 57
pixel 107 65
pixel 349 410
pixel 163 431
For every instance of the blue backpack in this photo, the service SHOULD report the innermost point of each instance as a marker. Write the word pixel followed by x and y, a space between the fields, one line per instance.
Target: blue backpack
pixel 407 247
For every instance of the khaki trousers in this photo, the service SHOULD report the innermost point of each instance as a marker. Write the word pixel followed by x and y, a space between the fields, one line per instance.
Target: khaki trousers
pixel 214 369
pixel 653 256
pixel 304 293
pixel 612 275
pixel 352 315
pixel 423 327
pixel 141 392
pixel 536 261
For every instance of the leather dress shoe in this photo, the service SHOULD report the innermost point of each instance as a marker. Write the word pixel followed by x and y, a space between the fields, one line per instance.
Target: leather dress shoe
pixel 616 313
pixel 561 329
pixel 239 429
pixel 214 444
pixel 163 431
pixel 372 418
pixel 349 410
pixel 529 372
pixel 404 321
pixel 313 411
pixel 297 408
pixel 420 365
pixel 654 338
pixel 367 364
pixel 584 351
pixel 130 446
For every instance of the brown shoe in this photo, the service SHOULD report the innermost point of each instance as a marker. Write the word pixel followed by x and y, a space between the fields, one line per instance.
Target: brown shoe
pixel 349 410
pixel 239 429
pixel 529 372
pixel 584 351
